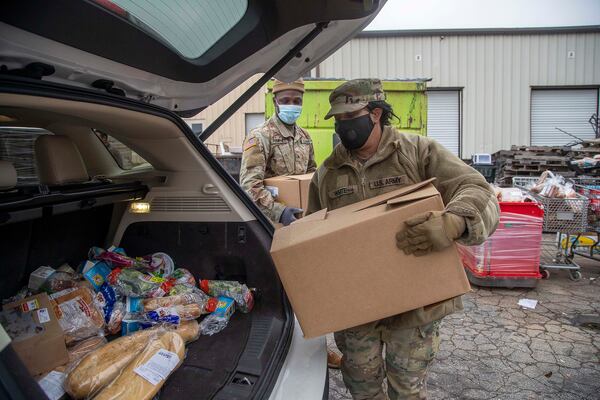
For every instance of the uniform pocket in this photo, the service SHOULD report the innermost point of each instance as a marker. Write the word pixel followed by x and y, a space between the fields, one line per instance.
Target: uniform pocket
pixel 282 159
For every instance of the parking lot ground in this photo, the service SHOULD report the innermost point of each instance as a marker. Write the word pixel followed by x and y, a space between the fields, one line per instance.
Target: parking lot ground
pixel 496 349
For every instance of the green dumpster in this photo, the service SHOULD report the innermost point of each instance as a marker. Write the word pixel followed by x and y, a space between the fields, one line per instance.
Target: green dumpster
pixel 407 97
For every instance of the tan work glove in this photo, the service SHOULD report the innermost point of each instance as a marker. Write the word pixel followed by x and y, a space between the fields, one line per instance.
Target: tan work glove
pixel 430 231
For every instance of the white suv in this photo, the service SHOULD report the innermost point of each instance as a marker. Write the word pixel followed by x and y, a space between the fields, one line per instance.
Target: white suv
pixel 94 92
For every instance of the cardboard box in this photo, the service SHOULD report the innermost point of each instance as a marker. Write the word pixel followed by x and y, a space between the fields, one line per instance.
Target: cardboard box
pixel 292 190
pixel 342 268
pixel 35 332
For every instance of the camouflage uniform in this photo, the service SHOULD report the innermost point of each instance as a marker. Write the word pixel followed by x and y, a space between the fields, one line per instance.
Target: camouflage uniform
pixel 274 149
pixel 412 338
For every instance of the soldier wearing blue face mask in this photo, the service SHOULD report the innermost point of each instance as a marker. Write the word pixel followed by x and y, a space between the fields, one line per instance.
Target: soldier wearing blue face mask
pixel 277 147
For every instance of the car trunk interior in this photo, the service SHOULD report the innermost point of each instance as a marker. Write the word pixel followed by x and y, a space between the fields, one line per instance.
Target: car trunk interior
pixel 195 217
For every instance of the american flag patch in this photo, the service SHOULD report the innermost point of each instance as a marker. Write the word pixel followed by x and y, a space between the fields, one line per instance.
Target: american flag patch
pixel 250 143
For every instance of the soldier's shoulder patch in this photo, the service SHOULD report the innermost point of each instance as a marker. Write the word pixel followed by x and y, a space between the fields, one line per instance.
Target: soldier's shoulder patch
pixel 250 143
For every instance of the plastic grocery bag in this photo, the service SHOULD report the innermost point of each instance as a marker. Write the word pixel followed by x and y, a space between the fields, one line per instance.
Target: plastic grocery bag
pixel 218 320
pixel 244 300
pixel 134 283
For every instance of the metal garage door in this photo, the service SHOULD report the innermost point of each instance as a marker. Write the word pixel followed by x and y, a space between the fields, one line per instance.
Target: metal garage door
pixel 567 109
pixel 443 118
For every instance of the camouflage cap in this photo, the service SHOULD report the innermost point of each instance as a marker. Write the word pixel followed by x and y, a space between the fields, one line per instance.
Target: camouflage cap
pixel 279 86
pixel 354 95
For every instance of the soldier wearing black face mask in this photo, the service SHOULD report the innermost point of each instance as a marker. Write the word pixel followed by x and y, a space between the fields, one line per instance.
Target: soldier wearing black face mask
pixel 375 158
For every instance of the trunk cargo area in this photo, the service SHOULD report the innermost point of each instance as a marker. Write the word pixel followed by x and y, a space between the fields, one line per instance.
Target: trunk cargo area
pixel 226 365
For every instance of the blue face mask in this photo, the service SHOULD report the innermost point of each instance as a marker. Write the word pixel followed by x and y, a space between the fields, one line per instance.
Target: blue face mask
pixel 289 113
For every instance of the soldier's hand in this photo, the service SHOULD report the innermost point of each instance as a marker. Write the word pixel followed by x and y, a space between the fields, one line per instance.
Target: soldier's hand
pixel 288 215
pixel 430 231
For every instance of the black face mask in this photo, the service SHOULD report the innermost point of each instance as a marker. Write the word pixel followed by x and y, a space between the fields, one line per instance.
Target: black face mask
pixel 354 132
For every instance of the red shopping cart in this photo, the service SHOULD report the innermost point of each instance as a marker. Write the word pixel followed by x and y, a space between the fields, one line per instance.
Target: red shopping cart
pixel 511 256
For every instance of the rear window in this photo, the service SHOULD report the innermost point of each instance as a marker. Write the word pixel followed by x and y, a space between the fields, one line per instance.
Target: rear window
pixel 16 146
pixel 123 155
pixel 189 27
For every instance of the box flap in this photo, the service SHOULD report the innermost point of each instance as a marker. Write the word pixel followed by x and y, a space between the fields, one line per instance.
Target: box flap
pixel 386 197
pixel 427 191
pixel 303 177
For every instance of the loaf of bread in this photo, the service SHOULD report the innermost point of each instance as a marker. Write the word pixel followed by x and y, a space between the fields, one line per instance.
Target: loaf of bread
pixel 189 330
pixel 195 296
pixel 130 385
pixel 189 312
pixel 100 367
pixel 83 348
pixel 77 314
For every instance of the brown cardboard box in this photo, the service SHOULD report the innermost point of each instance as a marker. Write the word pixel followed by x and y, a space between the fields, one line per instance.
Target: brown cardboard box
pixel 342 268
pixel 292 189
pixel 36 334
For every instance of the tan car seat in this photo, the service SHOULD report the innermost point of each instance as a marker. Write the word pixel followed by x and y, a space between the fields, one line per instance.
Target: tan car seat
pixel 59 161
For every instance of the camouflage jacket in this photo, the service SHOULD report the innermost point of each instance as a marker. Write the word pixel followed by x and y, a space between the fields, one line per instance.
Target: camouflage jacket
pixel 404 159
pixel 274 149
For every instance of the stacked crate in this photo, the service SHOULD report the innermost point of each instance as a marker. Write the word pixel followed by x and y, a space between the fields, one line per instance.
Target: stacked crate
pixel 531 161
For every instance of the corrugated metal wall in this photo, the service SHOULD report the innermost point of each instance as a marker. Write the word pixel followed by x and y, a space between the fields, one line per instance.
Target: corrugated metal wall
pixel 233 131
pixel 495 71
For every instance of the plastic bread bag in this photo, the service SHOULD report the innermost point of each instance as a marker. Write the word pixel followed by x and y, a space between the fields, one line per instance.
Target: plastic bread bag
pixel 218 320
pixel 144 376
pixel 540 183
pixel 107 300
pixel 134 283
pixel 174 314
pixel 569 191
pixel 115 319
pixel 171 315
pixel 98 368
pixel 192 296
pixel 244 300
pixel 84 347
pixel 189 330
pixel 77 314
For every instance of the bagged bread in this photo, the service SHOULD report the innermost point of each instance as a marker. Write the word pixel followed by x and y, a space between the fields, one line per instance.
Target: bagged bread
pixel 77 314
pixel 100 367
pixel 144 377
pixel 189 330
pixel 175 314
pixel 83 348
pixel 193 297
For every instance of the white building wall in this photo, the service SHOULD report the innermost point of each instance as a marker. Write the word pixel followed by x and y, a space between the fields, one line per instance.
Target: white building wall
pixel 233 131
pixel 495 71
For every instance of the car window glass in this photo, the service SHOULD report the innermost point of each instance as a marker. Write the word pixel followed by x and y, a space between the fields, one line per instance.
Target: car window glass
pixel 17 147
pixel 123 155
pixel 190 27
